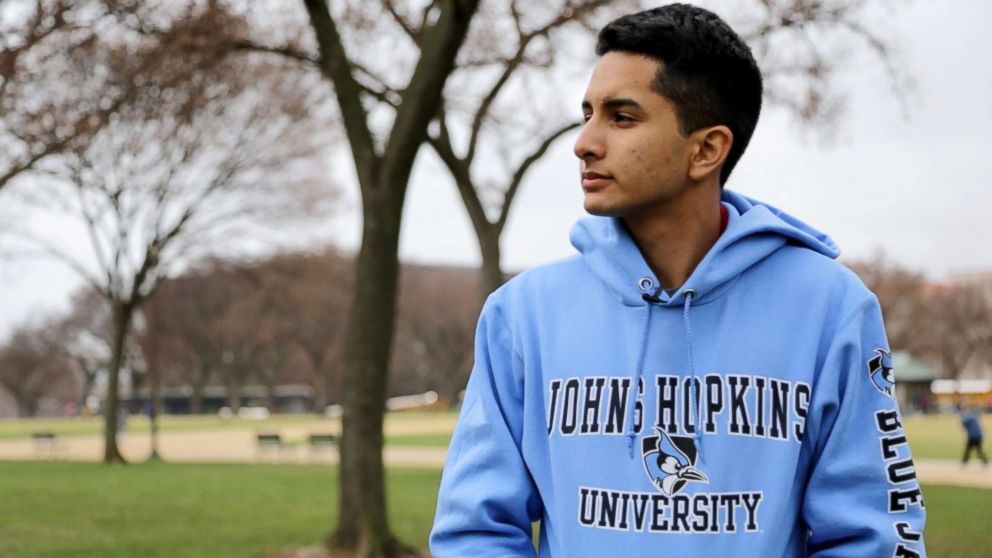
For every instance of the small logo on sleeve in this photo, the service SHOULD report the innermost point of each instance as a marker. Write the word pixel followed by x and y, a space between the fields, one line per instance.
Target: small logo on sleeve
pixel 880 372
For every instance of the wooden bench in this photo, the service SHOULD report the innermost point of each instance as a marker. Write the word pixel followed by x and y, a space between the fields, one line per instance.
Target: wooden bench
pixel 46 443
pixel 269 441
pixel 318 441
pixel 43 437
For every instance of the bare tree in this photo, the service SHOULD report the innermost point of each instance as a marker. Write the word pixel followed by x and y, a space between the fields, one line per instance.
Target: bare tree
pixel 799 44
pixel 959 326
pixel 263 325
pixel 438 310
pixel 511 118
pixel 278 320
pixel 174 174
pixel 902 295
pixel 45 45
pixel 307 300
pixel 31 362
pixel 383 163
pixel 194 316
pixel 85 333
pixel 321 312
pixel 949 324
pixel 30 35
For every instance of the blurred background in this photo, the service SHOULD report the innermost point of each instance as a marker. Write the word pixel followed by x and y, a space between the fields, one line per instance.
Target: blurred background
pixel 243 245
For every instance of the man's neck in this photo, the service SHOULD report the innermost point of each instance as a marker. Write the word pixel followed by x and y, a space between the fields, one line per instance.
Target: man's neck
pixel 674 237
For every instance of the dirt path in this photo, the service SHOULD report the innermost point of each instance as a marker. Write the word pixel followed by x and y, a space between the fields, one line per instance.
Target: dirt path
pixel 949 471
pixel 232 446
pixel 240 446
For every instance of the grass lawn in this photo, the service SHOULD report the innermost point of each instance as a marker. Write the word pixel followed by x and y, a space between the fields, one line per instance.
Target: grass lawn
pixel 210 511
pixel 422 440
pixel 958 521
pixel 936 436
pixel 216 511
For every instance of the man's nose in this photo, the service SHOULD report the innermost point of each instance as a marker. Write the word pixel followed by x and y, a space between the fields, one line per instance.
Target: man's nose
pixel 589 144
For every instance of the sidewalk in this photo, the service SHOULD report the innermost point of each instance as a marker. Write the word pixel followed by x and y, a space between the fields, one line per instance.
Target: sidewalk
pixel 949 471
pixel 223 446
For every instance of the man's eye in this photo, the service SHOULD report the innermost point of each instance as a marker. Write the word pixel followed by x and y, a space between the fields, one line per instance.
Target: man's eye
pixel 620 117
pixel 586 117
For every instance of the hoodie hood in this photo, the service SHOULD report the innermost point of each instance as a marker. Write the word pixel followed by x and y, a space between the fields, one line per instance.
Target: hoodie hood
pixel 754 231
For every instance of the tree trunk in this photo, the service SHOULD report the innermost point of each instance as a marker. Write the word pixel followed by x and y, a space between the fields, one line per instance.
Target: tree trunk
pixel 363 526
pixel 452 391
pixel 121 314
pixel 199 383
pixel 492 271
pixel 88 380
pixel 27 406
pixel 270 397
pixel 362 520
pixel 196 399
pixel 234 395
pixel 156 406
pixel 320 389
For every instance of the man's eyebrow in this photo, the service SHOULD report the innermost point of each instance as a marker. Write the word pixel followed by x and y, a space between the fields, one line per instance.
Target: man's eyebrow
pixel 614 103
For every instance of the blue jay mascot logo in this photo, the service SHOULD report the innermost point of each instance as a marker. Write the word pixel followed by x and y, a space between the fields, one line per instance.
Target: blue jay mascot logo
pixel 880 372
pixel 670 462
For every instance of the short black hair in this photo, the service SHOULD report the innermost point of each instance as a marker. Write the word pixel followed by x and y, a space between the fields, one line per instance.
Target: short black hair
pixel 706 70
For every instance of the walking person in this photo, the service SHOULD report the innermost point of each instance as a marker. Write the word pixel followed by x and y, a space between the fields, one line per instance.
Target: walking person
pixel 973 428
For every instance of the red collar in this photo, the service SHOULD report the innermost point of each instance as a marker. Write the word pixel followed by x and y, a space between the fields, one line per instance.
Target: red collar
pixel 724 217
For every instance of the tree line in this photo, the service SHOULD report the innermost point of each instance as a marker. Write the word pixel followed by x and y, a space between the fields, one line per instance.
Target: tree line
pixel 275 321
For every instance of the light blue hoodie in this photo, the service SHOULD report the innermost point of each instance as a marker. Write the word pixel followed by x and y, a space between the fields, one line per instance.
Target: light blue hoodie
pixel 590 384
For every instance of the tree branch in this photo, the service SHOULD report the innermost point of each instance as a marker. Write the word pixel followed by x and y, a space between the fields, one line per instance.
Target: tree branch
pixel 422 97
pixel 336 67
pixel 383 93
pixel 287 52
pixel 425 14
pixel 414 34
pixel 521 171
pixel 54 252
pixel 460 171
pixel 91 225
pixel 567 15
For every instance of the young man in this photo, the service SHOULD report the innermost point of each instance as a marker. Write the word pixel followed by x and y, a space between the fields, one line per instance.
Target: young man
pixel 973 429
pixel 704 379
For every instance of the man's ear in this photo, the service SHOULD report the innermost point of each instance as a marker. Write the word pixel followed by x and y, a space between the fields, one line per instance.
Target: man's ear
pixel 710 149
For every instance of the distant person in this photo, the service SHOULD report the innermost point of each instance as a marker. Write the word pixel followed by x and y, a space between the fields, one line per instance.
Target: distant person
pixel 148 408
pixel 703 379
pixel 121 421
pixel 973 428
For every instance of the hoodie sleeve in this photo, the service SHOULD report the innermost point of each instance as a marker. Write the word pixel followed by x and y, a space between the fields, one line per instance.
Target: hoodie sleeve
pixel 862 498
pixel 487 499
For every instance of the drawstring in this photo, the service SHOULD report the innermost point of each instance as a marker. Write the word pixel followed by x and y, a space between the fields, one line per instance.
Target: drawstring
pixel 638 375
pixel 635 380
pixel 693 380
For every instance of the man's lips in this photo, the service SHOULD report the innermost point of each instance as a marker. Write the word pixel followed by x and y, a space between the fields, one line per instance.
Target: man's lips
pixel 594 180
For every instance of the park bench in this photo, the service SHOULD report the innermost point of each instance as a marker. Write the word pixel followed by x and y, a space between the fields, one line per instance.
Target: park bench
pixel 270 441
pixel 46 443
pixel 318 441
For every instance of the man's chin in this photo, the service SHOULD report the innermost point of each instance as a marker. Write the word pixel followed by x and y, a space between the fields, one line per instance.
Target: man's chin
pixel 601 209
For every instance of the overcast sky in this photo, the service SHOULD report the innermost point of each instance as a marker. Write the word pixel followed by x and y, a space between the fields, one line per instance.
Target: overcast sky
pixel 914 182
